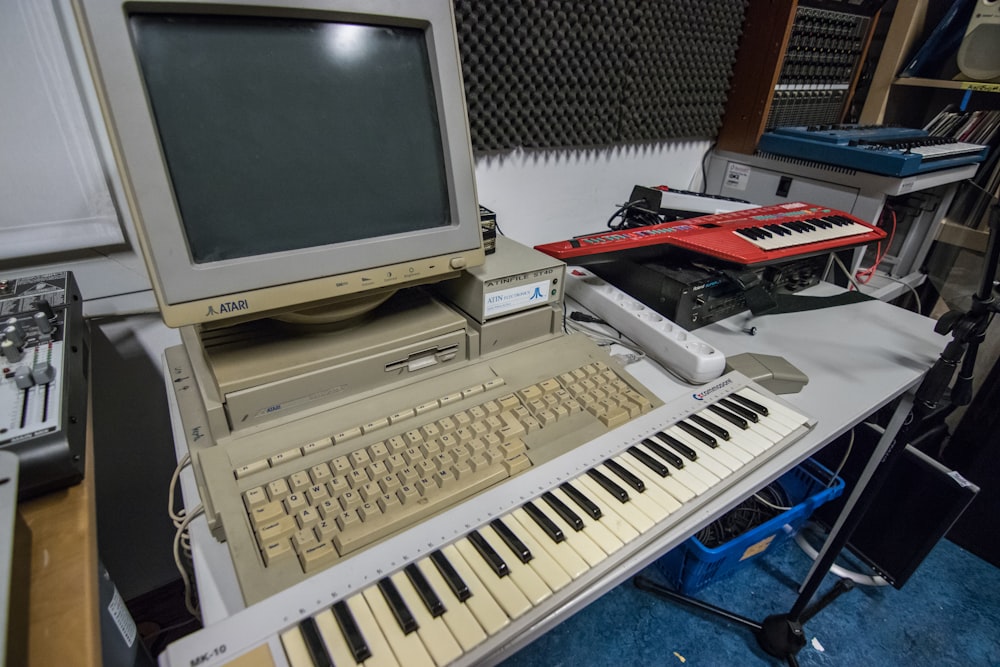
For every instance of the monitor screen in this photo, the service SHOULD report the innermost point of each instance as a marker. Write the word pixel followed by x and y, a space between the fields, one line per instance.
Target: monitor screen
pixel 281 134
pixel 280 155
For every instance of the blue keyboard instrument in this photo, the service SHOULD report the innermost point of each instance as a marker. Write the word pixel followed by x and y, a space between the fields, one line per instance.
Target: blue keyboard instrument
pixel 891 151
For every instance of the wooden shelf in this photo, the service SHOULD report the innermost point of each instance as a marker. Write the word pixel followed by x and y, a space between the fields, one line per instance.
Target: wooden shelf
pixel 947 84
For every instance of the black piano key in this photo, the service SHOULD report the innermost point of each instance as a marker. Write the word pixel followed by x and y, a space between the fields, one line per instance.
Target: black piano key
pixel 548 526
pixel 664 453
pixel 584 503
pixel 563 510
pixel 649 462
pixel 678 446
pixel 696 432
pixel 625 476
pixel 715 429
pixel 314 643
pixel 423 587
pixel 451 576
pixel 749 415
pixel 608 485
pixel 352 633
pixel 511 540
pixel 398 606
pixel 730 417
pixel 492 558
pixel 746 402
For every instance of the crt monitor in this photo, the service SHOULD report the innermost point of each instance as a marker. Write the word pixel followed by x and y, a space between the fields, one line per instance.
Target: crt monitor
pixel 290 156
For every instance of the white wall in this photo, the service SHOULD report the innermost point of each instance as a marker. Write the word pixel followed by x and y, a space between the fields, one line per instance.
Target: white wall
pixel 543 196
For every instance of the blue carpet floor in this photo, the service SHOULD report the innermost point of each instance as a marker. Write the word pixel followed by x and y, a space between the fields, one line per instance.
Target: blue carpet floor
pixel 948 613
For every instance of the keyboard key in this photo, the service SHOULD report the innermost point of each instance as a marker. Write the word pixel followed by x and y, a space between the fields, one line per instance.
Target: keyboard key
pixel 427 594
pixel 405 646
pixel 314 643
pixel 488 554
pixel 359 648
pixel 458 587
pixel 333 638
pixel 381 653
pixel 458 617
pixel 433 632
pixel 399 609
pixel 500 588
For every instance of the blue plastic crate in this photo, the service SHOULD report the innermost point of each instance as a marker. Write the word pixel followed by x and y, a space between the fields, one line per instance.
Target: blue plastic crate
pixel 692 565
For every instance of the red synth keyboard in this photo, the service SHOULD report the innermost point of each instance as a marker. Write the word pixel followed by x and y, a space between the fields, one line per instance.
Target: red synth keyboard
pixel 751 237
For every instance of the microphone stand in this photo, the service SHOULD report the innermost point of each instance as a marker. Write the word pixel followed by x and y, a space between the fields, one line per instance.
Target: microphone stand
pixel 782 635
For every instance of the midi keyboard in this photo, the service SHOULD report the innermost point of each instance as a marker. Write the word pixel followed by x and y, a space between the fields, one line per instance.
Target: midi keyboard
pixel 481 578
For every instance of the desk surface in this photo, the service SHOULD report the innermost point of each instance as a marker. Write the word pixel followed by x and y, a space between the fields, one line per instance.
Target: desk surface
pixel 858 357
pixel 64 622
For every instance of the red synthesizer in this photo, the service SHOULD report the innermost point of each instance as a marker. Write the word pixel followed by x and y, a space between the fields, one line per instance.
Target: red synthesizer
pixel 749 237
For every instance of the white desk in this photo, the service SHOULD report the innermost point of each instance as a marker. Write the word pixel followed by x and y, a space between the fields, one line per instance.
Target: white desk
pixel 858 358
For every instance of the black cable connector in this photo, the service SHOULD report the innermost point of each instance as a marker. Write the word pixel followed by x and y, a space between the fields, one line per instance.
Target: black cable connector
pixel 578 316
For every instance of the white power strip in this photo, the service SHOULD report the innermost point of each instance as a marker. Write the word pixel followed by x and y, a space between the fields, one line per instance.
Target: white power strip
pixel 678 350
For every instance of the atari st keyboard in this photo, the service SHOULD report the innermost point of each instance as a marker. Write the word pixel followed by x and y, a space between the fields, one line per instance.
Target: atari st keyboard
pixel 293 499
pixel 484 573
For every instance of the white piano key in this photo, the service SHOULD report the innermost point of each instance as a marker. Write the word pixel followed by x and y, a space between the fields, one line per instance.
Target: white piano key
pixel 746 439
pixel 382 655
pixel 561 552
pixel 729 453
pixel 769 430
pixel 336 645
pixel 616 521
pixel 407 648
pixel 777 412
pixel 504 591
pixel 692 475
pixel 433 632
pixel 483 606
pixel 295 648
pixel 581 542
pixel 458 617
pixel 641 501
pixel 738 446
pixel 651 479
pixel 699 469
pixel 759 436
pixel 680 483
pixel 739 454
pixel 523 576
pixel 550 571
pixel 707 458
pixel 598 532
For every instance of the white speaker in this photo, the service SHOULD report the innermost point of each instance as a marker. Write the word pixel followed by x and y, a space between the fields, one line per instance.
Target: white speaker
pixel 979 55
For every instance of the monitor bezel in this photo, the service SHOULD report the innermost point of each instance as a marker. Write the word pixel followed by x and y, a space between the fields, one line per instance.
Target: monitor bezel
pixel 261 285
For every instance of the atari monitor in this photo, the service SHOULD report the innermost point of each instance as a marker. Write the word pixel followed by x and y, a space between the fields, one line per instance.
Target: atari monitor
pixel 290 158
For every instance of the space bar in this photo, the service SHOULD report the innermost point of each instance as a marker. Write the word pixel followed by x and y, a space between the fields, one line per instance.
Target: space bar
pixel 375 528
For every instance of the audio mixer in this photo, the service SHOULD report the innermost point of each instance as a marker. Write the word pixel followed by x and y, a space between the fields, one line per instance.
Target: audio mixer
pixel 43 387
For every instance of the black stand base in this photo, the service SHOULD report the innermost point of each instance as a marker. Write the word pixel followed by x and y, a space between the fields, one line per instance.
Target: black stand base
pixel 779 635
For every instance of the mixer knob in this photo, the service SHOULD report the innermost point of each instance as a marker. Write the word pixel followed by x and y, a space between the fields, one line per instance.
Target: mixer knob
pixel 10 351
pixel 13 332
pixel 43 372
pixel 22 378
pixel 42 322
pixel 45 307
